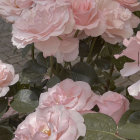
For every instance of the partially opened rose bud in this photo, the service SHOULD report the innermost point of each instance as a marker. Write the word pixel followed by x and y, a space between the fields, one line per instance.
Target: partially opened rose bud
pixel 55 123
pixel 113 104
pixel 7 77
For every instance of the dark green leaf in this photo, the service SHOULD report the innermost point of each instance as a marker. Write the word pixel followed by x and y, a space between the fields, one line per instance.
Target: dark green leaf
pixel 86 71
pixel 119 63
pixel 135 117
pixel 25 101
pixel 45 62
pixel 3 106
pixel 53 81
pixel 5 133
pixel 26 49
pixel 32 72
pixel 83 49
pixel 135 105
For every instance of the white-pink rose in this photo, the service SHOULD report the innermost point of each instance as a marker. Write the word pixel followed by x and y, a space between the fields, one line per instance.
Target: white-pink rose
pixel 11 9
pixel 54 123
pixel 7 77
pixel 132 51
pixel 73 95
pixel 42 22
pixel 113 104
pixel 88 17
pixel 64 49
pixel 119 21
pixel 133 5
pixel 134 90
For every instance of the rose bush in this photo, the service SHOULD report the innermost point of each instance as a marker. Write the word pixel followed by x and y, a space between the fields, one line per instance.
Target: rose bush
pixel 68 89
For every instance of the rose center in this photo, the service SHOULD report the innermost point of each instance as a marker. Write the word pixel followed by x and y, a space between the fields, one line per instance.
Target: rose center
pixel 46 131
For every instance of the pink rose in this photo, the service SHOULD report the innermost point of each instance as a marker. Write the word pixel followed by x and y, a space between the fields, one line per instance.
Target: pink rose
pixel 11 9
pixel 132 51
pixel 119 21
pixel 7 78
pixel 54 123
pixel 133 5
pixel 42 22
pixel 73 95
pixel 64 49
pixel 88 17
pixel 134 90
pixel 113 104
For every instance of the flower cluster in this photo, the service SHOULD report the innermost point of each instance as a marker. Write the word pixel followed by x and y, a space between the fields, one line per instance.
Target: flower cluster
pixel 59 114
pixel 7 77
pixel 52 25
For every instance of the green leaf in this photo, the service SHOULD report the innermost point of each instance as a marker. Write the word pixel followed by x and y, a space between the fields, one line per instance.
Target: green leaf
pixel 100 127
pixel 3 106
pixel 84 72
pixel 26 49
pixel 45 62
pixel 53 81
pixel 119 63
pixel 25 101
pixel 32 72
pixel 127 129
pixel 103 63
pixel 135 117
pixel 130 131
pixel 5 133
pixel 135 105
pixel 83 49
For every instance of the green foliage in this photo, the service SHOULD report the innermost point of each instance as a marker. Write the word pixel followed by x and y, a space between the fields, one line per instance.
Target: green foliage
pixel 25 101
pixel 100 127
pixel 5 133
pixel 129 126
pixel 3 106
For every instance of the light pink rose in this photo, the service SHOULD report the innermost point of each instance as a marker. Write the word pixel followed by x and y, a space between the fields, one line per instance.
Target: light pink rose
pixel 42 22
pixel 73 95
pixel 64 49
pixel 133 5
pixel 7 78
pixel 54 123
pixel 113 104
pixel 132 51
pixel 88 17
pixel 134 90
pixel 11 9
pixel 119 21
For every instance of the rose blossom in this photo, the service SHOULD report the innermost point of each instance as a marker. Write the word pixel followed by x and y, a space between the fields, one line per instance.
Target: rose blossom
pixel 42 22
pixel 73 95
pixel 133 5
pixel 134 90
pixel 54 123
pixel 88 17
pixel 11 9
pixel 7 77
pixel 119 21
pixel 113 104
pixel 64 49
pixel 132 51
